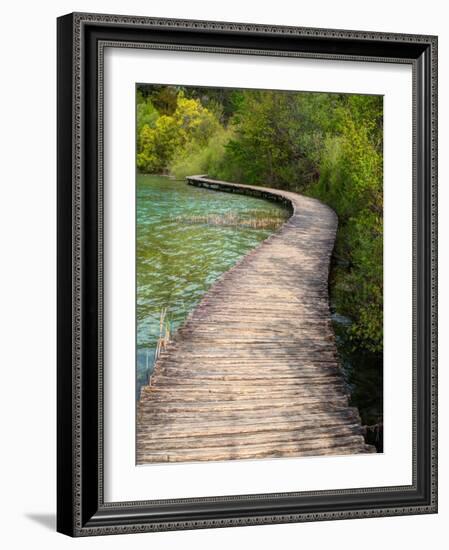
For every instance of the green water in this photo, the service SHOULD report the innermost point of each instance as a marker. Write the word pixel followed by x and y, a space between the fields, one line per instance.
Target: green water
pixel 186 238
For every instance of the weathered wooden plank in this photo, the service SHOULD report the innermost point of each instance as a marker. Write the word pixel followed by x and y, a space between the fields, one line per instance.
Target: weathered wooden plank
pixel 281 452
pixel 254 403
pixel 159 420
pixel 261 379
pixel 204 440
pixel 223 429
pixel 254 371
pixel 239 401
pixel 239 389
pixel 279 449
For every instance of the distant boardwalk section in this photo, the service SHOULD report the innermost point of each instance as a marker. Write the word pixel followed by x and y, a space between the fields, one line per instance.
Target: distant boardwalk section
pixel 254 373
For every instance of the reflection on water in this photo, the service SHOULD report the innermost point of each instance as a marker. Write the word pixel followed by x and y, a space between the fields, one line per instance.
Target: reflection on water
pixel 186 238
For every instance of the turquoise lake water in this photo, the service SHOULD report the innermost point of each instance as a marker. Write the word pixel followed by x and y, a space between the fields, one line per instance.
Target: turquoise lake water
pixel 186 238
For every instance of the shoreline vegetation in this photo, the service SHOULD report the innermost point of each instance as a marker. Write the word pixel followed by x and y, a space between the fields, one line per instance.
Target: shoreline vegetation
pixel 327 146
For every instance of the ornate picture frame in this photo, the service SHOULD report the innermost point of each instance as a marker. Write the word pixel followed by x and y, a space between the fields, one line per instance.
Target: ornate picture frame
pixel 81 507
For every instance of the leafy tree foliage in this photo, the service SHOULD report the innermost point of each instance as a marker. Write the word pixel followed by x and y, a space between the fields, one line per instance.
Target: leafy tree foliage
pixel 190 126
pixel 147 114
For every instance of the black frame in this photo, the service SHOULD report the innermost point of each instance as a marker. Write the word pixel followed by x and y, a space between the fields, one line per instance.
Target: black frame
pixel 81 510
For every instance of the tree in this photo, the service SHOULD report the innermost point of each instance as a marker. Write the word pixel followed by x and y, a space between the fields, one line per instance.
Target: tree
pixel 190 125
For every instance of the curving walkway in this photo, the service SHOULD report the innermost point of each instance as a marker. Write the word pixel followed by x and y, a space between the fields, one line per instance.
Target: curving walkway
pixel 254 372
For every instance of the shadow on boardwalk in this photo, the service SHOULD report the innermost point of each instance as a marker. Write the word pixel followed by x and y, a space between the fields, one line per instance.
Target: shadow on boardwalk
pixel 253 373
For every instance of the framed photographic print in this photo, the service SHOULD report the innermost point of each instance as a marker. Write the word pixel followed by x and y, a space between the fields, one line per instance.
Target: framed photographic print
pixel 246 274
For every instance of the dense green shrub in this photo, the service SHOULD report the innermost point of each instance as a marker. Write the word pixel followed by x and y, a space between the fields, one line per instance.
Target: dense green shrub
pixel 351 183
pixel 172 135
pixel 196 159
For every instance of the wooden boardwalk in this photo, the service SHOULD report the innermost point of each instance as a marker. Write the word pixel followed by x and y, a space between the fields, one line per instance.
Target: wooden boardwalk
pixel 253 373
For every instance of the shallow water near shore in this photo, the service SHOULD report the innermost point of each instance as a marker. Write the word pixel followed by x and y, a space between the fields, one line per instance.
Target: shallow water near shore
pixel 186 238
